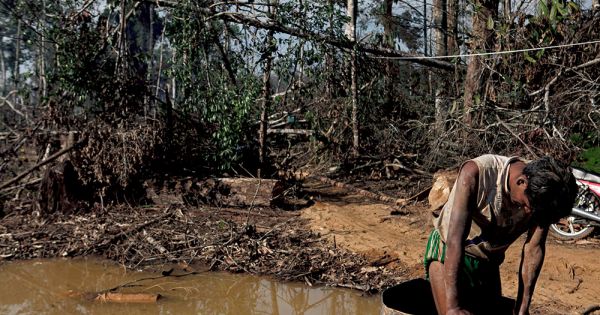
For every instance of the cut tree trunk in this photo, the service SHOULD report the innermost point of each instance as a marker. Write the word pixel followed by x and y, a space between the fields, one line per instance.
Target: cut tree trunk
pixel 239 192
pixel 250 191
pixel 443 181
pixel 61 190
pixel 117 297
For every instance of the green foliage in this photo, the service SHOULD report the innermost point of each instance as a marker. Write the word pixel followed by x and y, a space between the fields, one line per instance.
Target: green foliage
pixel 557 11
pixel 544 27
pixel 206 90
pixel 589 160
pixel 89 72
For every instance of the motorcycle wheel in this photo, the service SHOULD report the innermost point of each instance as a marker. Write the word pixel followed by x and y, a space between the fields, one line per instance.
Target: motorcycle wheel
pixel 573 227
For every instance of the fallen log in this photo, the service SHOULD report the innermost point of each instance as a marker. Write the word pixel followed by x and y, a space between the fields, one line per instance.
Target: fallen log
pixel 291 131
pixel 377 196
pixel 245 192
pixel 116 297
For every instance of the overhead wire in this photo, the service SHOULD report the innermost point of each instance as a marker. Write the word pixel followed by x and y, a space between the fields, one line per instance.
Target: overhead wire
pixel 502 52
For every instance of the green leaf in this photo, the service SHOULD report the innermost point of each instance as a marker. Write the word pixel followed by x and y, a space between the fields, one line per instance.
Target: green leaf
pixel 573 7
pixel 539 54
pixel 552 16
pixel 543 8
pixel 490 23
pixel 562 10
pixel 529 58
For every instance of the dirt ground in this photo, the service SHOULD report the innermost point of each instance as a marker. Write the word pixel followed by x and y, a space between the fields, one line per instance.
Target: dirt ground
pixel 568 283
pixel 339 239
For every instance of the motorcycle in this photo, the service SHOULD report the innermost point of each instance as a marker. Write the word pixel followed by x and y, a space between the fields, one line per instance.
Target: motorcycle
pixel 585 215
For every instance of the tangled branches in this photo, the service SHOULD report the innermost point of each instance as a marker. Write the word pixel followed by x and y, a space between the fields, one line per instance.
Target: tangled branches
pixel 279 244
pixel 114 157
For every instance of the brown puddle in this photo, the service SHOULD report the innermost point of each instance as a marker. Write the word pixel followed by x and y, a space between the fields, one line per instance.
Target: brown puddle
pixel 56 287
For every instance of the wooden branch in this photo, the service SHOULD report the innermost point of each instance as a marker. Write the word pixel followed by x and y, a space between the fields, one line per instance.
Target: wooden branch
pixel 398 164
pixel 372 195
pixel 516 136
pixel 31 183
pixel 585 64
pixel 117 297
pixel 546 88
pixel 291 131
pixel 42 163
pixel 7 102
pixel 158 246
pixel 269 24
pixel 547 95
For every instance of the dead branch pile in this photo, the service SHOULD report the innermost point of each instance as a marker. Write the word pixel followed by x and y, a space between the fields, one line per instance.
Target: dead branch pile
pixel 114 158
pixel 225 239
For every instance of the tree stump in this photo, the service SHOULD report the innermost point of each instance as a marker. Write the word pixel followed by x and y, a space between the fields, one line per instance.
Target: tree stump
pixel 60 189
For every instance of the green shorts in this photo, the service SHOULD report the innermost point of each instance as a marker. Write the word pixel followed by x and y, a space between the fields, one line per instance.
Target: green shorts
pixel 476 274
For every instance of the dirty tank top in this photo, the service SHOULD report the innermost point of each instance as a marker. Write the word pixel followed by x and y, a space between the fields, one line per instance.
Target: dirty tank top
pixel 495 225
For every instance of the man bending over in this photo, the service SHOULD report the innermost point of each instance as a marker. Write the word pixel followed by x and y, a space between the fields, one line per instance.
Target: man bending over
pixel 495 199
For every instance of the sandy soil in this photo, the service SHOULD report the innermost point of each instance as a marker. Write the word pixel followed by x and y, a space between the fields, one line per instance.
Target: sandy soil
pixel 567 285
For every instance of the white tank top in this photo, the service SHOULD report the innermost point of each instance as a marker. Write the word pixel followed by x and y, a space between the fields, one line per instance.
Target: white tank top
pixel 495 225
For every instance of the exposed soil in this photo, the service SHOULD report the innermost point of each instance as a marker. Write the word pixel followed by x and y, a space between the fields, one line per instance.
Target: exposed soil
pixel 341 239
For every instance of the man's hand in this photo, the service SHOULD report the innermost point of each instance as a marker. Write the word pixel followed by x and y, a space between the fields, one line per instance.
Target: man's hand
pixel 458 311
pixel 532 259
pixel 516 312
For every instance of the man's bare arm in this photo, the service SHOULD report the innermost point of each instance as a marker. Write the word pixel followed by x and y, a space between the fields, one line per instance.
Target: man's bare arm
pixel 532 259
pixel 460 223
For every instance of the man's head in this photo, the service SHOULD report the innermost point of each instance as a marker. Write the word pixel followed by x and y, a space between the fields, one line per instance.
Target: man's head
pixel 551 189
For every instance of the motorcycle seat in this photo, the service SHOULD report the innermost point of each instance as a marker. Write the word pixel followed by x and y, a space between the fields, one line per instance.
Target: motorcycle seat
pixel 585 175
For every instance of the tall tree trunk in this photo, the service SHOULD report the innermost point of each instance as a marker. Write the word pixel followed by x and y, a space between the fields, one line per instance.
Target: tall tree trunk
pixel 507 10
pixel 329 59
pixel 452 30
pixel 3 83
pixel 173 80
pixel 388 34
pixel 440 22
pixel 425 50
pixel 42 56
pixel 266 95
pixel 351 35
pixel 150 50
pixel 482 41
pixel 159 72
pixel 441 49
pixel 120 62
pixel 16 70
pixel 453 45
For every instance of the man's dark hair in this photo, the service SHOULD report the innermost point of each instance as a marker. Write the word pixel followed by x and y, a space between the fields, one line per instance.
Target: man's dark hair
pixel 551 189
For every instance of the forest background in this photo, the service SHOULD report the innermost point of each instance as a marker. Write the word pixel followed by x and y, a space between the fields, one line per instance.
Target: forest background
pixel 136 90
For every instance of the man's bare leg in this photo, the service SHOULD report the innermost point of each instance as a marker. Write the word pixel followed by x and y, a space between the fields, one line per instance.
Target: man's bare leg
pixel 438 285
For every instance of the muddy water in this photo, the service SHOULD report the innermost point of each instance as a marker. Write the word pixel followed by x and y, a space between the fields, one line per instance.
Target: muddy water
pixel 59 287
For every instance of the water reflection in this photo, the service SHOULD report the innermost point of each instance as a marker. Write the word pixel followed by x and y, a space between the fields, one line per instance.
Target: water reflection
pixel 42 287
